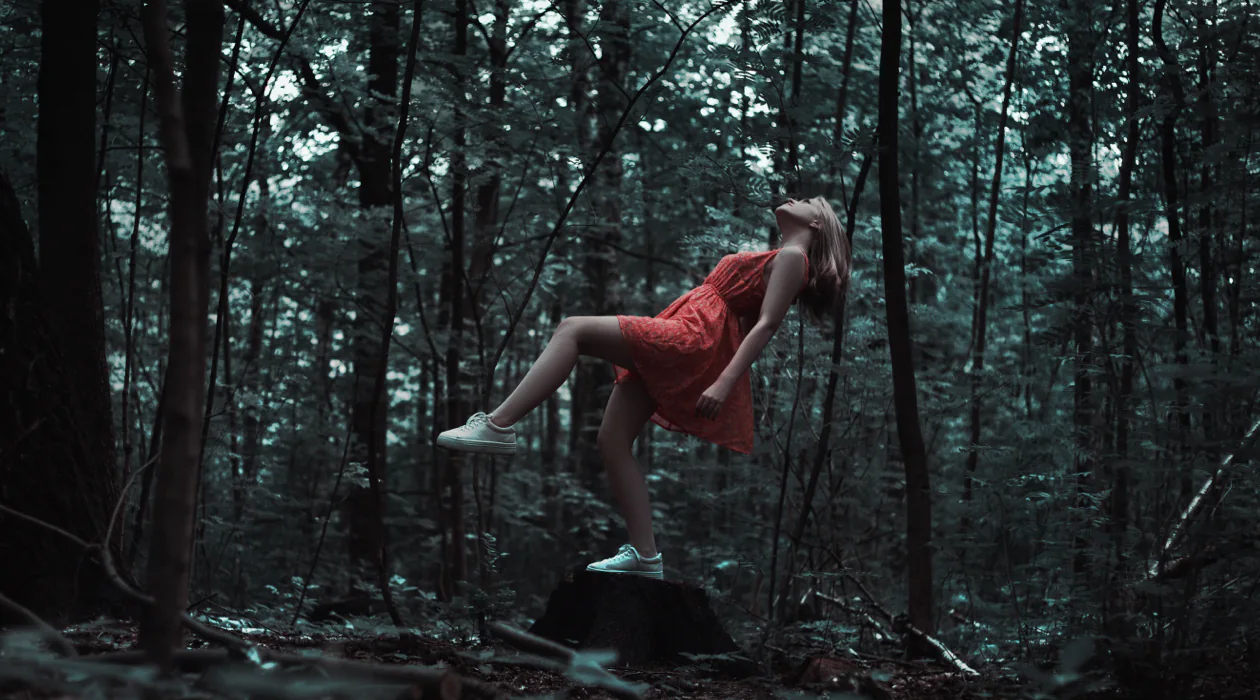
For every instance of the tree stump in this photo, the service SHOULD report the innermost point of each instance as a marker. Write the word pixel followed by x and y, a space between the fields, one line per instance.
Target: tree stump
pixel 647 621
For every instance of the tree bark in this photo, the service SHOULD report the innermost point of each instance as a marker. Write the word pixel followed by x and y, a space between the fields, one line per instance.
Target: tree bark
pixel 1172 206
pixel 910 436
pixel 1080 59
pixel 603 280
pixel 69 246
pixel 986 264
pixel 368 414
pixel 1207 236
pixel 187 120
pixel 842 98
pixel 1119 502
pixel 455 562
pixel 57 456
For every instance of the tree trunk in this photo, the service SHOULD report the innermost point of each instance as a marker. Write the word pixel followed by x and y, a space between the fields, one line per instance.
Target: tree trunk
pixel 1119 502
pixel 1172 204
pixel 455 563
pixel 251 395
pixel 368 413
pixel 1080 57
pixel 375 465
pixel 918 493
pixel 69 247
pixel 916 128
pixel 986 264
pixel 603 281
pixel 56 443
pixel 1207 236
pixel 187 133
pixel 822 451
pixel 842 97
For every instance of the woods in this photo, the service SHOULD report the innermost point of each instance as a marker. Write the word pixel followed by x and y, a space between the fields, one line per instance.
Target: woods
pixel 255 257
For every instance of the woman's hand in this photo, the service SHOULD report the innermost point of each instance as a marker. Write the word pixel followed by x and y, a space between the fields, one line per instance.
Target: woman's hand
pixel 713 398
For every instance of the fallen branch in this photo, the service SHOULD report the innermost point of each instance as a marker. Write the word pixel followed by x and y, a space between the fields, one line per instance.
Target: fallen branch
pixel 131 590
pixel 1197 503
pixel 198 660
pixel 45 630
pixel 901 626
pixel 949 657
pixel 879 626
pixel 593 675
pixel 531 642
pixel 1182 566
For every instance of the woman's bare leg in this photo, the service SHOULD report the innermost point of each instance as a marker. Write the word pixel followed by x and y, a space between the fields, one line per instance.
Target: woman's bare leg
pixel 629 408
pixel 594 336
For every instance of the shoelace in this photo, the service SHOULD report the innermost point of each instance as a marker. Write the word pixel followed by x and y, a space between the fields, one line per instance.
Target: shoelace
pixel 478 419
pixel 625 552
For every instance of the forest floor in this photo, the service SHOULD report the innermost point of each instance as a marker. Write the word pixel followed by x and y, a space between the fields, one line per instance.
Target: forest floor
pixel 496 670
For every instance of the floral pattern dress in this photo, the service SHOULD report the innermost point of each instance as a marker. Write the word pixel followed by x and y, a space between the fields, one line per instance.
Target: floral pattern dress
pixel 682 350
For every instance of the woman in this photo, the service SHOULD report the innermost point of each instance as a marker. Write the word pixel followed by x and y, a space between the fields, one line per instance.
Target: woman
pixel 686 369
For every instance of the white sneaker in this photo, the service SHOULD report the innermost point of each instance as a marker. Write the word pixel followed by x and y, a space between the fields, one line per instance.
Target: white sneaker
pixel 479 435
pixel 628 561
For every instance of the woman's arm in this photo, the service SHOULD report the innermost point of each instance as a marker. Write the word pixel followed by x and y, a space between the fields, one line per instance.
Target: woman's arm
pixel 781 288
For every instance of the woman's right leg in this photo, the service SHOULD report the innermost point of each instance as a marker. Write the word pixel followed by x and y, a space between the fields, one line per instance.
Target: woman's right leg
pixel 594 336
pixel 629 408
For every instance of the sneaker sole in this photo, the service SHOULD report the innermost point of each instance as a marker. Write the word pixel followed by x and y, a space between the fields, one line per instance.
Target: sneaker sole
pixel 645 574
pixel 481 446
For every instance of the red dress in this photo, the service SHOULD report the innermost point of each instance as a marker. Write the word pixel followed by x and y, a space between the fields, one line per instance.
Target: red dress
pixel 682 350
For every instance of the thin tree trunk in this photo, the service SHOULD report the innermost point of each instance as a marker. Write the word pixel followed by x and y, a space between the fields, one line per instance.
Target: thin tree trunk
pixel 1172 203
pixel 986 264
pixel 842 98
pixel 375 465
pixel 916 129
pixel 1080 56
pixel 366 536
pixel 187 132
pixel 918 488
pixel 1119 504
pixel 1236 267
pixel 1026 349
pixel 455 565
pixel 822 451
pixel 789 121
pixel 603 281
pixel 1207 236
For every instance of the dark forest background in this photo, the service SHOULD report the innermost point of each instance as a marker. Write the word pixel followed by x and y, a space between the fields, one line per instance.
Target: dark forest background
pixel 255 256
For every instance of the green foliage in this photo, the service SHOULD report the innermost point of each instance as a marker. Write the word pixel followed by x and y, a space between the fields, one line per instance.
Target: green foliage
pixel 1037 553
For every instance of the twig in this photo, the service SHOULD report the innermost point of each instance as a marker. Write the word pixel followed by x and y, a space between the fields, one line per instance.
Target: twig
pixel 46 525
pixel 45 630
pixel 132 591
pixel 196 660
pixel 879 626
pixel 545 647
pixel 531 642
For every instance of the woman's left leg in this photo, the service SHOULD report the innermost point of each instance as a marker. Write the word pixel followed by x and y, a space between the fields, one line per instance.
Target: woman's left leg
pixel 593 336
pixel 629 408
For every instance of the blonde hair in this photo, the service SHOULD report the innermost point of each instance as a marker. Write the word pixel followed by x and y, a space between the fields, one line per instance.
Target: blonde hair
pixel 830 263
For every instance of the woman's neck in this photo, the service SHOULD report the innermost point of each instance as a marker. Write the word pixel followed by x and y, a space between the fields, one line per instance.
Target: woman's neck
pixel 795 237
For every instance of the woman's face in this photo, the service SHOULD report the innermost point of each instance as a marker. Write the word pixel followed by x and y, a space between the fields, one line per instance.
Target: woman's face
pixel 800 211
